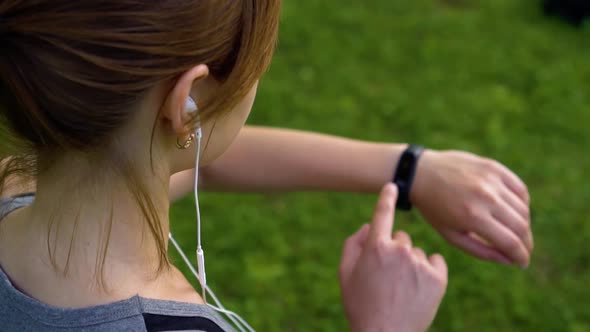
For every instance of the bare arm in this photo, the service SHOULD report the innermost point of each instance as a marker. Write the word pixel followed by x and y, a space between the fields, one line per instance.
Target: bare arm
pixel 465 197
pixel 263 159
pixel 282 159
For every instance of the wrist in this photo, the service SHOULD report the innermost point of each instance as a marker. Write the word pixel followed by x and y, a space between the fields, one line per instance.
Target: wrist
pixel 419 189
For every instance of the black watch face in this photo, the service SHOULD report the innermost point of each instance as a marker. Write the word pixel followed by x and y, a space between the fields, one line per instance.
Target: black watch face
pixel 405 168
pixel 401 184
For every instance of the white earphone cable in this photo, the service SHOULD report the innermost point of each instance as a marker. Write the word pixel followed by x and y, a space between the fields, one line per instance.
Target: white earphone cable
pixel 240 323
pixel 199 136
pixel 201 276
pixel 200 253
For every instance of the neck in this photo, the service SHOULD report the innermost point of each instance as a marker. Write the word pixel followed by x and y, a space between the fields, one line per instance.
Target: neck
pixel 91 221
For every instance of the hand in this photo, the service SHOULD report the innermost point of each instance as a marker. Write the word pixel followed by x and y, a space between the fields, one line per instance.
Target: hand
pixel 477 204
pixel 386 284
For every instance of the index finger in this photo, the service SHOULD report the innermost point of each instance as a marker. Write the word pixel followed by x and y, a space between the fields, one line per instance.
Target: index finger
pixel 383 218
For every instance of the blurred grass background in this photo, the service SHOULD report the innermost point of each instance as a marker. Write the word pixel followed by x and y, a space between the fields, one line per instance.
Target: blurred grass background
pixel 492 77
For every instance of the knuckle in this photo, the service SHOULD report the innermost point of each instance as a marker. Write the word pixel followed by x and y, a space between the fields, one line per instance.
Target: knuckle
pixel 404 252
pixel 419 252
pixel 382 250
pixel 470 210
pixel 491 177
pixel 486 193
pixel 402 238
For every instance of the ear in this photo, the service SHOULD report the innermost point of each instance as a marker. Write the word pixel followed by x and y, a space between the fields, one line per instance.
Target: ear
pixel 173 109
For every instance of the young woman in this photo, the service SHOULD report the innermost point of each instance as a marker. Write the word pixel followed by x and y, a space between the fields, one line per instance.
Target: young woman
pixel 93 100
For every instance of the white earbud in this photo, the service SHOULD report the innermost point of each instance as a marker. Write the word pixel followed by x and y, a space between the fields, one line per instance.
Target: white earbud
pixel 191 106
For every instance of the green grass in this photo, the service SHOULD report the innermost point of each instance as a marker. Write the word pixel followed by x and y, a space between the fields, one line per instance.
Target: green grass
pixel 493 77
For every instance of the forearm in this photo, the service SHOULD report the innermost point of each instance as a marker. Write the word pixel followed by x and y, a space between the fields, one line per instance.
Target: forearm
pixel 268 159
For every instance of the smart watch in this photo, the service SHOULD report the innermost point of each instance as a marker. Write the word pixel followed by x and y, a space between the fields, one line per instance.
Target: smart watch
pixel 404 175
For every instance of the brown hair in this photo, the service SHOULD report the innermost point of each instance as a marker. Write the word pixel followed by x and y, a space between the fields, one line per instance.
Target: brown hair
pixel 71 72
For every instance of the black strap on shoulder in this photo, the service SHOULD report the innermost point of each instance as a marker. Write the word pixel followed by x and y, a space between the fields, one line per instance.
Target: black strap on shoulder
pixel 160 323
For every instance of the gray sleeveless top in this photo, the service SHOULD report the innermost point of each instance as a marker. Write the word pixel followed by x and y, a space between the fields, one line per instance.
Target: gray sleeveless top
pixel 19 312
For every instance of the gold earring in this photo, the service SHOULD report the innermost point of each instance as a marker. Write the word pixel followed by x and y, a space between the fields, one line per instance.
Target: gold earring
pixel 186 144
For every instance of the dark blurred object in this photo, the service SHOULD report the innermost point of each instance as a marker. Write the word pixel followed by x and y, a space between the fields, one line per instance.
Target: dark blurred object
pixel 573 11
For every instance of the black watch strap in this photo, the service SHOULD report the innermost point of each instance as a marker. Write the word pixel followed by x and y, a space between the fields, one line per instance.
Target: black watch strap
pixel 404 175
